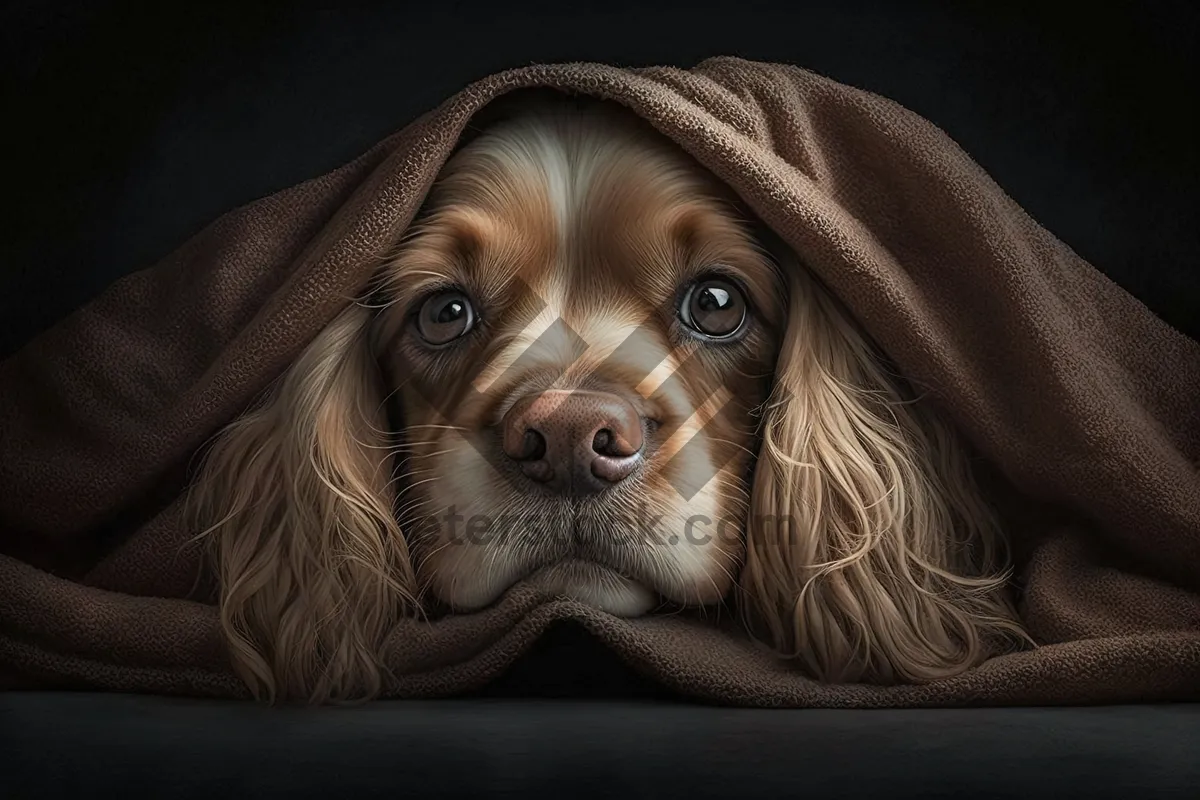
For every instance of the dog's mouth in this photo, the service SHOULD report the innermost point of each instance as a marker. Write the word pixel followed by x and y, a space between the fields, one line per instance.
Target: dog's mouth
pixel 598 568
pixel 597 584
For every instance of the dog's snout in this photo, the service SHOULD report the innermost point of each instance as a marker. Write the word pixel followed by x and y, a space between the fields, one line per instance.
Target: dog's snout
pixel 574 442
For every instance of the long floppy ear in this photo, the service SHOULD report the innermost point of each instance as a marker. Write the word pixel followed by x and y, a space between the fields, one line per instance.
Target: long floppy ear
pixel 295 501
pixel 871 553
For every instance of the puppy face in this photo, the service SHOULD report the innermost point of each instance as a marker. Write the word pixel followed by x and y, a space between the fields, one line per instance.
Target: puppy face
pixel 582 370
pixel 581 332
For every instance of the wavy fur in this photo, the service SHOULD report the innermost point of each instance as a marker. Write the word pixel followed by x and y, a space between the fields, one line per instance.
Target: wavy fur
pixel 313 569
pixel 871 553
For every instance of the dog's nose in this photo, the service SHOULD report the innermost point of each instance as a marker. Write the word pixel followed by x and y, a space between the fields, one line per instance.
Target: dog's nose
pixel 574 442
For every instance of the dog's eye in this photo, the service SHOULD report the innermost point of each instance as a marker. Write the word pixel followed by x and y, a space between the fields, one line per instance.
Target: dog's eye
pixel 445 317
pixel 713 307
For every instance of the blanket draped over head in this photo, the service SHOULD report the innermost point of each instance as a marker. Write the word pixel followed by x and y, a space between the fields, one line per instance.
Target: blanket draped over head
pixel 1084 402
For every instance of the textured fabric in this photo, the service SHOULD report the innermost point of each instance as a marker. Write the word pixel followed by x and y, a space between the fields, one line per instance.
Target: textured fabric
pixel 1085 403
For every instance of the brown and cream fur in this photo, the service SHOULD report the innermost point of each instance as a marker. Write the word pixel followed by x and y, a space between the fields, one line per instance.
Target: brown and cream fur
pixel 854 538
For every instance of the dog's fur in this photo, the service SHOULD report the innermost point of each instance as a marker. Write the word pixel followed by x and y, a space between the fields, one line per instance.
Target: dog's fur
pixel 853 535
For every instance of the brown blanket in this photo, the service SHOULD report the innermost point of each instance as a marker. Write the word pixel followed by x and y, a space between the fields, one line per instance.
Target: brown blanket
pixel 1086 404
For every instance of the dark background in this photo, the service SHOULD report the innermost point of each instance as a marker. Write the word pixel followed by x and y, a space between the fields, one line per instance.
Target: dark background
pixel 127 130
pixel 131 128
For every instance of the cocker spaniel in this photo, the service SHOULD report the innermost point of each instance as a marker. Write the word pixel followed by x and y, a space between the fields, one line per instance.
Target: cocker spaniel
pixel 586 366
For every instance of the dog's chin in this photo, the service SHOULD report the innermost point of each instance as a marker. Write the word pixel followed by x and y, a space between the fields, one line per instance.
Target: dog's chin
pixel 597 586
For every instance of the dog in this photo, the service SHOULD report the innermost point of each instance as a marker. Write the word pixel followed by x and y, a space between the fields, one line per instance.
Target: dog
pixel 583 331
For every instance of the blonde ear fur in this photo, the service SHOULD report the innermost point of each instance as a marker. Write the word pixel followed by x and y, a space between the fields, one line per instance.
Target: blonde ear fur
pixel 296 506
pixel 871 553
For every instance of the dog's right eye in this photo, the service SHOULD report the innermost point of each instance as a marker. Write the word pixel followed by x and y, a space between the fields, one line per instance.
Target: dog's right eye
pixel 714 308
pixel 444 317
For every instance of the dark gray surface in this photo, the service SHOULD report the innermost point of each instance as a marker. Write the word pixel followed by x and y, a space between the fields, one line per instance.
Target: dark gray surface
pixel 94 745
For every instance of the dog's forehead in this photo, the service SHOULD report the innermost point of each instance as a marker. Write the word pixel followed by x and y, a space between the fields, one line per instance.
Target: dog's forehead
pixel 583 209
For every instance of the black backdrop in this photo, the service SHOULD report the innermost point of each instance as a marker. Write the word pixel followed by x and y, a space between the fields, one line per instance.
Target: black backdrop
pixel 131 128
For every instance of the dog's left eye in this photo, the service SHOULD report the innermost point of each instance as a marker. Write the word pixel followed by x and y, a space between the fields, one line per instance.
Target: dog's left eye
pixel 713 307
pixel 444 317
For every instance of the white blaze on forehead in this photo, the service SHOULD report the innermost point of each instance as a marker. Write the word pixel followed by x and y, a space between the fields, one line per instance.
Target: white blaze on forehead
pixel 562 188
pixel 565 168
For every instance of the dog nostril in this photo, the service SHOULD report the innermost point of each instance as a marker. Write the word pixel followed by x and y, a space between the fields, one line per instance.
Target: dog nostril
pixel 602 441
pixel 615 443
pixel 533 446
